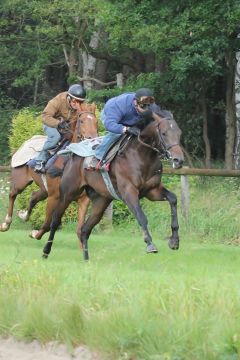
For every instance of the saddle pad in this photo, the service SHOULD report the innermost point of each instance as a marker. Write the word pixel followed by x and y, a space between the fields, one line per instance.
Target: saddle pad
pixel 84 148
pixel 28 150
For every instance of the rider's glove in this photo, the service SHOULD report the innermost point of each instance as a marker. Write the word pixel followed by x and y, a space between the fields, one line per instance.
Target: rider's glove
pixel 63 125
pixel 132 130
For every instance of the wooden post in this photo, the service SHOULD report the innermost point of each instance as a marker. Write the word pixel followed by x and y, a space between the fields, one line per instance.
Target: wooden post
pixel 185 197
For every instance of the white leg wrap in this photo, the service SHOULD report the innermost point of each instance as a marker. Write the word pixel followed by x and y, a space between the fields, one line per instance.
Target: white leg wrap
pixel 22 214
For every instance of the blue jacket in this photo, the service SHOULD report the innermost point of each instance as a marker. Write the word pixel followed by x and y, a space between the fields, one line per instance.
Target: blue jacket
pixel 119 112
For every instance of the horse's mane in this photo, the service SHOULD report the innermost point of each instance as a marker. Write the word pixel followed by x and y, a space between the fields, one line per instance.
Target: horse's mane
pixel 89 107
pixel 166 114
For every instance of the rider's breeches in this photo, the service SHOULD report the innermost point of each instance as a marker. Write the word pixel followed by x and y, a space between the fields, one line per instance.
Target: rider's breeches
pixel 108 140
pixel 53 137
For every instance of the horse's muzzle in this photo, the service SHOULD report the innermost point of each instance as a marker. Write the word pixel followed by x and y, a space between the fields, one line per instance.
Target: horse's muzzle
pixel 177 163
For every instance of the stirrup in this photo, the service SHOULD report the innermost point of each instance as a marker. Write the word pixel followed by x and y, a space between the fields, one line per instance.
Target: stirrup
pixel 40 167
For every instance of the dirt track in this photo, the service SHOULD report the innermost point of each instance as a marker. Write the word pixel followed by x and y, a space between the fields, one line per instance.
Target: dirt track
pixel 11 349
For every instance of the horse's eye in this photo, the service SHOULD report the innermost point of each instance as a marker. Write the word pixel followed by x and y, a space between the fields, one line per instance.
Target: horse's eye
pixel 81 121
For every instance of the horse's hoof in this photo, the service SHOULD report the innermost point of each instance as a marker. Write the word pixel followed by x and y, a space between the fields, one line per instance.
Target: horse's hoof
pixel 22 214
pixel 151 248
pixel 44 256
pixel 33 234
pixel 4 227
pixel 173 243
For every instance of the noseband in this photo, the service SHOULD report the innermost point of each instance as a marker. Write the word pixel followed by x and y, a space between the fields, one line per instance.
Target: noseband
pixel 162 149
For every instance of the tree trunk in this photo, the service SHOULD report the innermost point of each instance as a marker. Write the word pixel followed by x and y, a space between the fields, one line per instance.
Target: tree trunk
pixel 89 62
pixel 237 103
pixel 230 117
pixel 205 133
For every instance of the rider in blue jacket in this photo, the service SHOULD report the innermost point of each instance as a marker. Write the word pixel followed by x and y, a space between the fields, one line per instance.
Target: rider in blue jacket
pixel 120 115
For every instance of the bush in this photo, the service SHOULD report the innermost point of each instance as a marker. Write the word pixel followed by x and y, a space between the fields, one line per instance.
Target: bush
pixel 6 104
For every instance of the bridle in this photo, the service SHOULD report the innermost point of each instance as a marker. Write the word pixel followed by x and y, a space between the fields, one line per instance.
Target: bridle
pixel 161 147
pixel 79 136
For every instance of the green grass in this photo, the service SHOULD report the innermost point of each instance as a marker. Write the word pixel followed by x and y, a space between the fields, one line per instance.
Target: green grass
pixel 179 305
pixel 172 305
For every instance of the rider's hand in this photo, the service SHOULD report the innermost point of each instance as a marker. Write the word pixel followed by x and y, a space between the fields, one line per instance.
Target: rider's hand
pixel 63 125
pixel 132 130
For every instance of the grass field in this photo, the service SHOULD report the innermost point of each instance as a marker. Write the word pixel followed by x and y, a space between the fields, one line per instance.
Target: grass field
pixel 181 305
pixel 126 304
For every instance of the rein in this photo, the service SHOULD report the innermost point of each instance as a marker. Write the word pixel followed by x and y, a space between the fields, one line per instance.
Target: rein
pixel 164 151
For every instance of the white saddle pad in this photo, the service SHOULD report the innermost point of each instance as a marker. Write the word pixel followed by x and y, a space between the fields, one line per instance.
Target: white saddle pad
pixel 28 150
pixel 83 148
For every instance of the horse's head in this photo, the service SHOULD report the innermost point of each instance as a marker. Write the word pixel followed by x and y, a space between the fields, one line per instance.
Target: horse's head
pixel 87 125
pixel 165 137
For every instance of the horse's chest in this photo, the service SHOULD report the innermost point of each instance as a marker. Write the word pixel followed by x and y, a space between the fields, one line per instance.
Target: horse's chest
pixel 149 183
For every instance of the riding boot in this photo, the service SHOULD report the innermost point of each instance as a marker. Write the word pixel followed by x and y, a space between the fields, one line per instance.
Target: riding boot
pixel 93 164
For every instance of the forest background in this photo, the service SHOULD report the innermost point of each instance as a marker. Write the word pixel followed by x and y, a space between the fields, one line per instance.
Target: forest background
pixel 187 51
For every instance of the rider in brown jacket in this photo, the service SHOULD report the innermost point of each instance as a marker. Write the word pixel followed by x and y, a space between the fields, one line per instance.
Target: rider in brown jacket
pixel 62 108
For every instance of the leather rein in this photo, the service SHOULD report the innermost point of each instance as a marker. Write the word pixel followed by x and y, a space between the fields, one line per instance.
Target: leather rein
pixel 164 149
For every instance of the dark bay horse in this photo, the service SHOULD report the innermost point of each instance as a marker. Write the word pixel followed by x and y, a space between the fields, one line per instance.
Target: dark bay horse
pixel 135 173
pixel 84 128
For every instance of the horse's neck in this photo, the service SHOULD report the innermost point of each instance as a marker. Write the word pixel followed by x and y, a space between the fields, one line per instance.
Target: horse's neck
pixel 145 154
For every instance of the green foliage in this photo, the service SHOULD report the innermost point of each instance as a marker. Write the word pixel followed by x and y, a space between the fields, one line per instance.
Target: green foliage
pixel 6 105
pixel 26 123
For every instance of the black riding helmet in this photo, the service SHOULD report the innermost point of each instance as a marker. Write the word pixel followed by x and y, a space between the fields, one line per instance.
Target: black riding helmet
pixel 77 91
pixel 144 95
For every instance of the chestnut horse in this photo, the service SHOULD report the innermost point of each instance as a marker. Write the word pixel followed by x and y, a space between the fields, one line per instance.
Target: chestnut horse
pixel 135 174
pixel 84 128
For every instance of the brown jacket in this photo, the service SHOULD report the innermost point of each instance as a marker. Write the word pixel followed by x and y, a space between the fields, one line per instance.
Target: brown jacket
pixel 58 108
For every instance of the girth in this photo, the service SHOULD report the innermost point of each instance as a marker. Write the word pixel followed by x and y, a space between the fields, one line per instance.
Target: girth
pixel 115 149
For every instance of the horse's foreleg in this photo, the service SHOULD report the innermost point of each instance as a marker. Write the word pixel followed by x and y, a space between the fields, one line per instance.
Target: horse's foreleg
pixel 45 227
pixel 56 221
pixel 162 194
pixel 99 205
pixel 83 203
pixel 131 199
pixel 36 196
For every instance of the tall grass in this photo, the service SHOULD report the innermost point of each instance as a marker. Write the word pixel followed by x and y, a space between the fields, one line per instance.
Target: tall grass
pixel 124 303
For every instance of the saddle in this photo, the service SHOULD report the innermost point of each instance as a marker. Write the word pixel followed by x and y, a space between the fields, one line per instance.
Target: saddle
pixel 114 150
pixel 52 154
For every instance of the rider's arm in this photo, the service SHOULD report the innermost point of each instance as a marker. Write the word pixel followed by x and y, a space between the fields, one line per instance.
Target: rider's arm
pixel 112 117
pixel 49 113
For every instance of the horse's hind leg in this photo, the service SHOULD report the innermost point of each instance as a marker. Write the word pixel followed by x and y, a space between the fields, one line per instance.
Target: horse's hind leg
pixel 8 219
pixel 162 194
pixel 36 196
pixel 99 205
pixel 19 181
